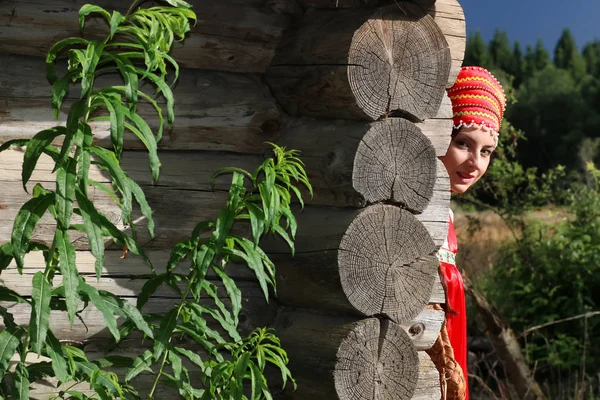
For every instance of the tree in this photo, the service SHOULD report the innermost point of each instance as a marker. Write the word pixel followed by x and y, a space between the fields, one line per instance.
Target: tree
pixel 500 52
pixel 567 56
pixel 591 55
pixel 551 110
pixel 518 70
pixel 541 58
pixel 476 52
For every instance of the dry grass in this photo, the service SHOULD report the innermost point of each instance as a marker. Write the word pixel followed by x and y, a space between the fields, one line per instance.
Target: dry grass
pixel 477 253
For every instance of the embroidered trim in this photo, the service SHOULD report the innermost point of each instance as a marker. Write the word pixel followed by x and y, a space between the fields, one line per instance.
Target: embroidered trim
pixel 489 82
pixel 477 96
pixel 446 256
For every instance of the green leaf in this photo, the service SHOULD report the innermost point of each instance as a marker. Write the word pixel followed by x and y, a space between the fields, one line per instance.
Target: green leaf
pixel 176 365
pixel 87 9
pixel 167 325
pixel 116 111
pixel 5 256
pixel 109 161
pixel 142 363
pixel 7 294
pixel 130 77
pixel 40 370
pixel 73 130
pixel 140 197
pixel 21 382
pixel 166 91
pixel 60 88
pixel 35 148
pixel 25 221
pixel 283 233
pixel 144 133
pixel 256 221
pixel 98 379
pixel 255 262
pixel 65 192
pixel 9 341
pixel 56 353
pixel 92 56
pixel 122 238
pixel 179 3
pixel 192 356
pixel 234 293
pixel 108 307
pixel 13 142
pixel 54 52
pixel 69 272
pixel 92 223
pixel 115 20
pixel 40 311
pixel 149 289
pixel 178 253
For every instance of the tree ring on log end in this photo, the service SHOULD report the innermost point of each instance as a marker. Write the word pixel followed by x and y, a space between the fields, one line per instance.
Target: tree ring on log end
pixel 377 360
pixel 399 61
pixel 395 161
pixel 387 263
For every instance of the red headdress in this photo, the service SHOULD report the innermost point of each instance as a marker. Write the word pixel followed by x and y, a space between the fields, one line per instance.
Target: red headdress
pixel 477 99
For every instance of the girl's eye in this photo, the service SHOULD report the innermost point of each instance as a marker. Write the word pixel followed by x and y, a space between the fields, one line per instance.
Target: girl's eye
pixel 461 143
pixel 486 152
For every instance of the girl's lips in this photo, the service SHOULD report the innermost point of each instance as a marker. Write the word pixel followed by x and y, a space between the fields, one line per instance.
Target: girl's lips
pixel 465 178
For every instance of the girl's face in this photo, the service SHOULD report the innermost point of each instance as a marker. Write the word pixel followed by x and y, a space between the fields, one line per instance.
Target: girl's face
pixel 468 157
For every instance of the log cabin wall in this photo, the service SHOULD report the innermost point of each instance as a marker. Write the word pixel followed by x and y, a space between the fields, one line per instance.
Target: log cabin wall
pixel 358 87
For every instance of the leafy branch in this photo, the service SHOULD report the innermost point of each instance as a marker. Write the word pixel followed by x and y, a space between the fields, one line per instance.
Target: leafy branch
pixel 136 49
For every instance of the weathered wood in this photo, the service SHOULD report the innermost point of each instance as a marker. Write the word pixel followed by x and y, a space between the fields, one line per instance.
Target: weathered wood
pixel 348 359
pixel 387 263
pixel 183 197
pixel 395 162
pixel 448 15
pixel 90 326
pixel 230 35
pixel 362 67
pixel 214 110
pixel 311 280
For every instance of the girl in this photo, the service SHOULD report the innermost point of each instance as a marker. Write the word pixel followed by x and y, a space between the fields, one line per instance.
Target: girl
pixel 478 103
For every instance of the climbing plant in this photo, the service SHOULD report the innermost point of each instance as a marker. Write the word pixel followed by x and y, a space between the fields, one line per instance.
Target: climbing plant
pixel 230 366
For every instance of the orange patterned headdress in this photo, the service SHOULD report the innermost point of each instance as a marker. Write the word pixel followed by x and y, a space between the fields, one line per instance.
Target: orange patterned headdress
pixel 477 99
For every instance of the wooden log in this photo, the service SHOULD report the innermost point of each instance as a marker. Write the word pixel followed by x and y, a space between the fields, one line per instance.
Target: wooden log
pixel 230 35
pixel 387 263
pixel 214 110
pixel 362 67
pixel 180 201
pixel 348 359
pixel 447 14
pixel 395 162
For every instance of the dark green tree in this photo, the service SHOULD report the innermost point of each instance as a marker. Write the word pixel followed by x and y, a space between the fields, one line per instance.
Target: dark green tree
pixel 591 55
pixel 476 52
pixel 518 67
pixel 567 56
pixel 500 51
pixel 551 111
pixel 541 57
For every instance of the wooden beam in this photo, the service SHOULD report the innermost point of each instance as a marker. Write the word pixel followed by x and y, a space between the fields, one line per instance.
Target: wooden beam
pixel 230 35
pixel 361 66
pixel 214 110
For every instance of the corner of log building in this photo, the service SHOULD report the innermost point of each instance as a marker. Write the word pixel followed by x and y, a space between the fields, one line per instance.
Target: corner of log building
pixel 358 86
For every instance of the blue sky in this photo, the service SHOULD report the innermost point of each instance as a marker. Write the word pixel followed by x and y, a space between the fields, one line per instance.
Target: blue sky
pixel 528 20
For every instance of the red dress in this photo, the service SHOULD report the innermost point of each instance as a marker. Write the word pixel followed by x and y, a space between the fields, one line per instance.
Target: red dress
pixel 456 318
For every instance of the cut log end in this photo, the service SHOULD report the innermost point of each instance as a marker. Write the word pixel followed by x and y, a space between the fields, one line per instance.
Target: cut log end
pixel 399 62
pixel 395 161
pixel 387 263
pixel 376 361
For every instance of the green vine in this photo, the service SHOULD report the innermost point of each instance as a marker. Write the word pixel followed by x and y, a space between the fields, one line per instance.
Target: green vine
pixel 230 366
